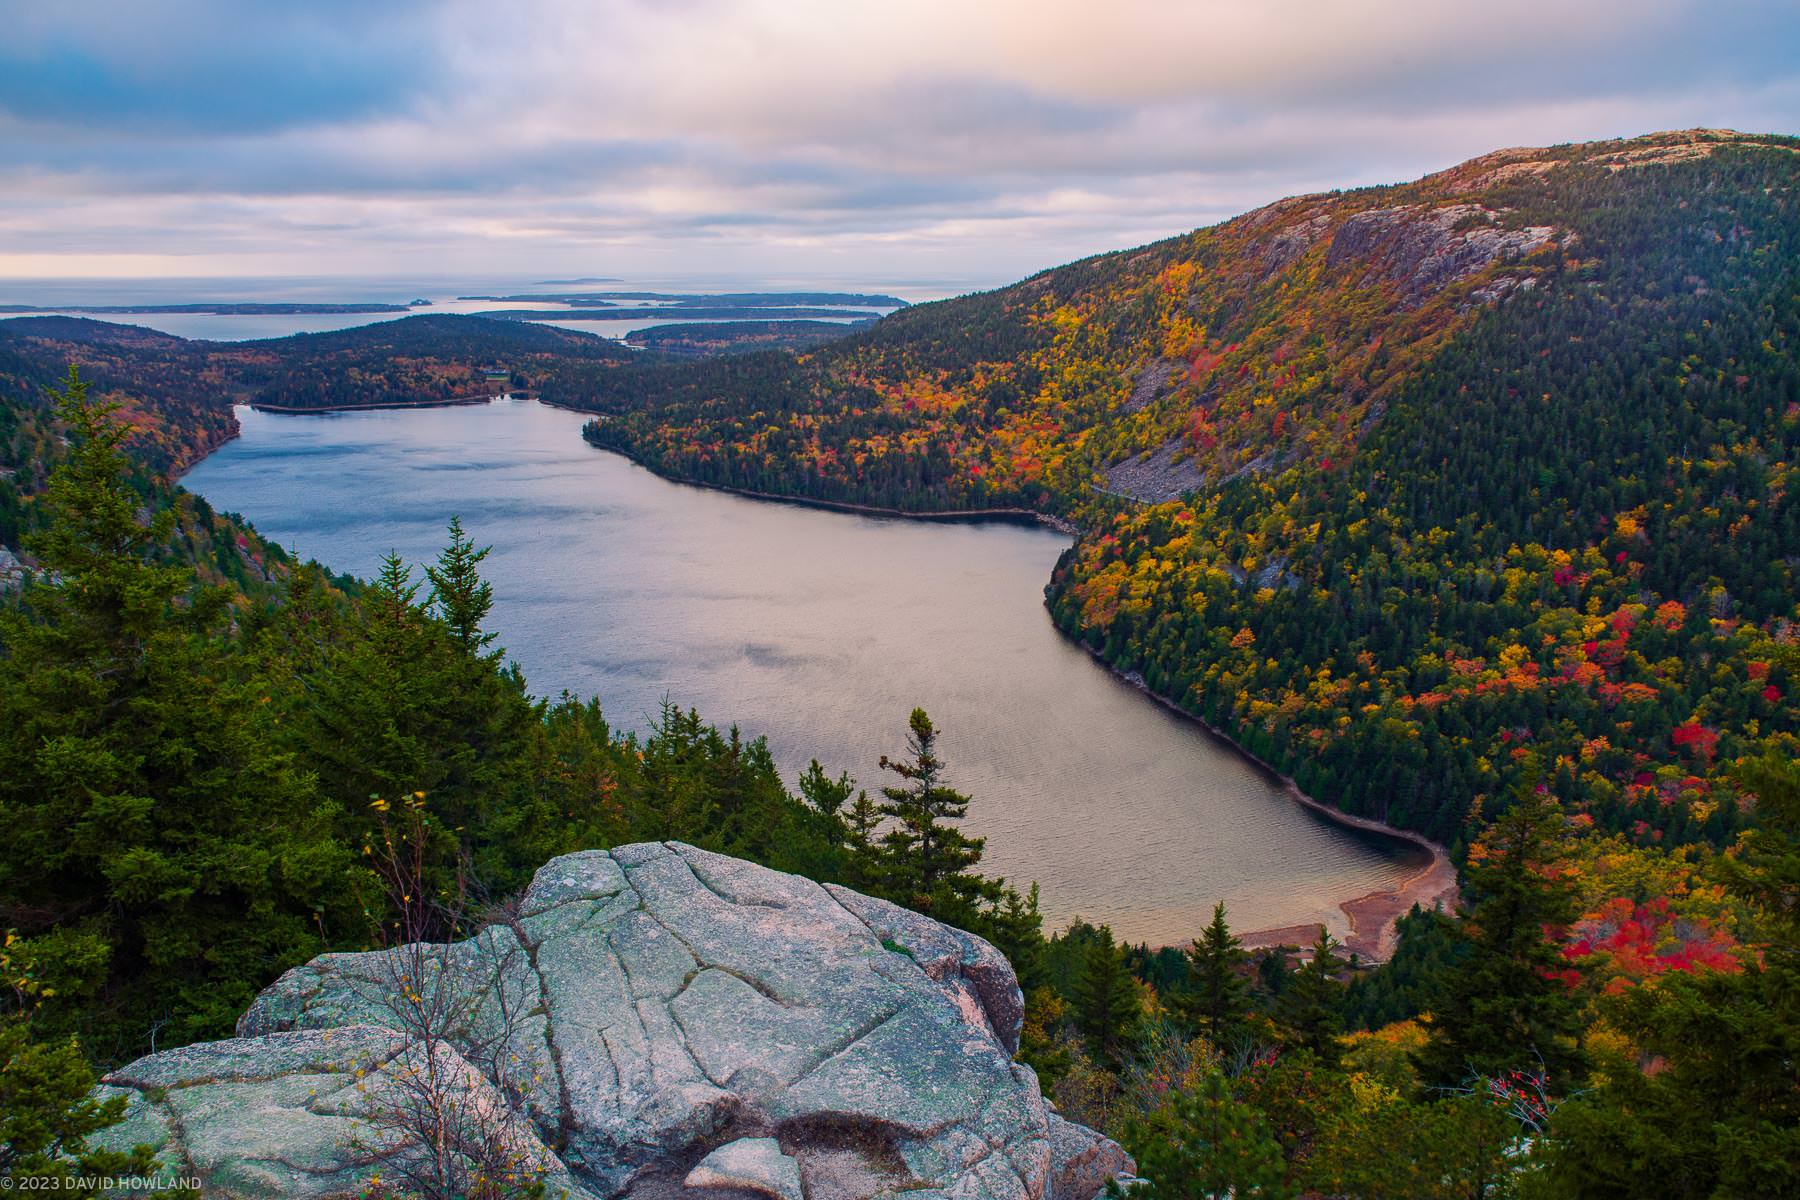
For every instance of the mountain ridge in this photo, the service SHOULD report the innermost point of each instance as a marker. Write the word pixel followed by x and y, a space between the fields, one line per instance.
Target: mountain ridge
pixel 1415 490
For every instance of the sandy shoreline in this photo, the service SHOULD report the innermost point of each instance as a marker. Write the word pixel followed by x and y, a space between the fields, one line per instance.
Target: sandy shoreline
pixel 1372 916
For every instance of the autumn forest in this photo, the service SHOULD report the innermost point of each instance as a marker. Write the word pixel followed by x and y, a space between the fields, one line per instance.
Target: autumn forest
pixel 1463 503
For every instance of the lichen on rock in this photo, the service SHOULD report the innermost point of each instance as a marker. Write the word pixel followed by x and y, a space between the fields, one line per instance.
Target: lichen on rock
pixel 685 1022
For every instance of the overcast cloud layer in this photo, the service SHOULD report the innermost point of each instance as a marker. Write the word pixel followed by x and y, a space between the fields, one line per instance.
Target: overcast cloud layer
pixel 976 140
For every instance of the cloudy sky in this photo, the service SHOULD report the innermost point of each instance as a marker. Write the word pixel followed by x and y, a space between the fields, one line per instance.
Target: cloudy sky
pixel 968 140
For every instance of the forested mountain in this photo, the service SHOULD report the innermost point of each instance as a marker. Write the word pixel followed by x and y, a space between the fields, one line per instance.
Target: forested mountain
pixel 416 360
pixel 176 396
pixel 1465 501
pixel 1404 487
pixel 178 393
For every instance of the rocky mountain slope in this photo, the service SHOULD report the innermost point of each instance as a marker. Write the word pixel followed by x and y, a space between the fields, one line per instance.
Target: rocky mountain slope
pixel 1417 491
pixel 656 1020
pixel 1260 343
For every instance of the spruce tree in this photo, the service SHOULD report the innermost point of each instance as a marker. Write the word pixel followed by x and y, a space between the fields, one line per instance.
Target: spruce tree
pixel 1107 1006
pixel 865 865
pixel 372 710
pixel 825 794
pixel 1309 1010
pixel 1217 996
pixel 147 806
pixel 1504 1005
pixel 48 1109
pixel 1016 928
pixel 462 597
pixel 1205 1144
pixel 929 862
pixel 399 703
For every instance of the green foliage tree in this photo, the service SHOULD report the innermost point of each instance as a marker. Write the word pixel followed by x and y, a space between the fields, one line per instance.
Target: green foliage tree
pixel 1016 928
pixel 461 596
pixel 1297 1094
pixel 390 698
pixel 1206 1144
pixel 47 1107
pixel 148 803
pixel 1217 996
pixel 1504 1005
pixel 1401 987
pixel 864 867
pixel 1309 1010
pixel 929 862
pixel 824 793
pixel 1107 1007
pixel 1392 1148
pixel 47 1114
pixel 1720 1114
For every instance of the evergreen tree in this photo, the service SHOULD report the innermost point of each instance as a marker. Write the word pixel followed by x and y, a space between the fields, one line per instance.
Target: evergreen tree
pixel 1107 1006
pixel 1309 1010
pixel 1720 1114
pixel 825 794
pixel 1399 989
pixel 48 1113
pixel 1216 997
pixel 1205 1144
pixel 47 1107
pixel 930 863
pixel 1386 1147
pixel 462 597
pixel 371 707
pixel 400 702
pixel 577 781
pixel 1504 1005
pixel 1016 928
pixel 1273 972
pixel 147 805
pixel 864 865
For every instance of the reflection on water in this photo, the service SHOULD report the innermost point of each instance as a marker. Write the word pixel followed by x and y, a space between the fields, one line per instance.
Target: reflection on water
pixel 822 631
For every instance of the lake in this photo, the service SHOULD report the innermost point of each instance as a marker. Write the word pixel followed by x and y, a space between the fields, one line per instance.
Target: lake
pixel 821 631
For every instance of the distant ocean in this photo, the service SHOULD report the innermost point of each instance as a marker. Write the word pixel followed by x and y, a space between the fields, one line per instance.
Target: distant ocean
pixel 442 292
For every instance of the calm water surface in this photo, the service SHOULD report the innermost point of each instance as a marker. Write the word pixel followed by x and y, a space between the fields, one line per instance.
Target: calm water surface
pixel 443 294
pixel 822 631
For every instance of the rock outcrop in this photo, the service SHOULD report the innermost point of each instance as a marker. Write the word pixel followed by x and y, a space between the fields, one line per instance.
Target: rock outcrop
pixel 1422 249
pixel 665 1021
pixel 1166 473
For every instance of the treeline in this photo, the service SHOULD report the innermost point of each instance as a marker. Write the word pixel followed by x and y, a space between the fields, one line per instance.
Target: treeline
pixel 178 393
pixel 703 339
pixel 177 411
pixel 1507 1054
pixel 704 299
